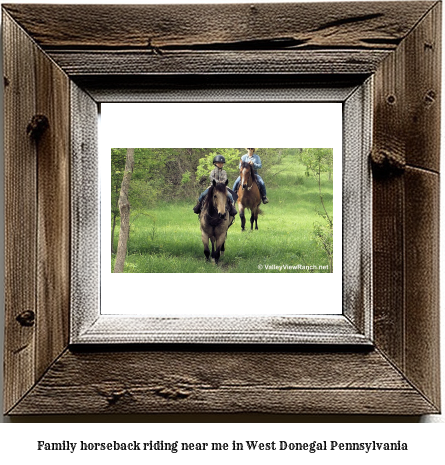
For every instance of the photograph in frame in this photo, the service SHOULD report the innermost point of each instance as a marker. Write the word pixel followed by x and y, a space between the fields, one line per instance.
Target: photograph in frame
pixel 165 183
pixel 291 220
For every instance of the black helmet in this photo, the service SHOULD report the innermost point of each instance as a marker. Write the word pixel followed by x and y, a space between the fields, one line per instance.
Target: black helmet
pixel 219 159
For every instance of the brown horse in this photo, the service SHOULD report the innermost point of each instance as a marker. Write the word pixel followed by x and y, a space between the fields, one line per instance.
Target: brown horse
pixel 248 195
pixel 215 220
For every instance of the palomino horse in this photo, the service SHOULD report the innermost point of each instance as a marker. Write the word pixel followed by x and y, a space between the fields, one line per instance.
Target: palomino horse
pixel 248 195
pixel 215 220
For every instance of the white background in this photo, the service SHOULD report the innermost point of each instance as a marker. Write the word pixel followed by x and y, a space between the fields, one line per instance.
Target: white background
pixel 287 125
pixel 18 441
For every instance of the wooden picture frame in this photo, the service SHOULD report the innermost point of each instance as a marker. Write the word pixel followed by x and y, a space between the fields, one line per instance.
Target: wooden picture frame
pixel 76 56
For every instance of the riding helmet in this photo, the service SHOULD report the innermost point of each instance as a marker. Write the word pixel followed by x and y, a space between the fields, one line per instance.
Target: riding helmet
pixel 219 159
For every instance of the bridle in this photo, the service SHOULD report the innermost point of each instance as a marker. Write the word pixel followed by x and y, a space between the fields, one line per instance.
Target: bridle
pixel 215 209
pixel 250 178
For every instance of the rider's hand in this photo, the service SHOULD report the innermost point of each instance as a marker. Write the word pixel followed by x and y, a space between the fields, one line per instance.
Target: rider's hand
pixel 251 162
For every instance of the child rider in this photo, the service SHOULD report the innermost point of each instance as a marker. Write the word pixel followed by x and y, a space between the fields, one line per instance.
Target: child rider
pixel 219 175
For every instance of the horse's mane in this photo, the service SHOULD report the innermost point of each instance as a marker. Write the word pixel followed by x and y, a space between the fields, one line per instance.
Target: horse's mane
pixel 245 164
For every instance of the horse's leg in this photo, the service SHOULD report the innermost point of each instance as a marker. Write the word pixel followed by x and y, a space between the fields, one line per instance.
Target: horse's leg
pixel 243 222
pixel 252 219
pixel 212 239
pixel 256 217
pixel 205 241
pixel 223 247
pixel 241 215
pixel 219 246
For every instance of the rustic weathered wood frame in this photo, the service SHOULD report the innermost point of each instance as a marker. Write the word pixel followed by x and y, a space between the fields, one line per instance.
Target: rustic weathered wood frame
pixel 398 44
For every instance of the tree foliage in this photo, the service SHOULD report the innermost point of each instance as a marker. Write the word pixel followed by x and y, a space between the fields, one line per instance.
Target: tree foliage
pixel 317 162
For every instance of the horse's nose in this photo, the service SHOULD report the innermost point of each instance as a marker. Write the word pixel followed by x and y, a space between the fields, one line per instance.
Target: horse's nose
pixel 222 215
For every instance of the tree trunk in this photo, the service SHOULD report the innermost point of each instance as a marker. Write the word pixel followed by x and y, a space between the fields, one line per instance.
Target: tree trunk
pixel 112 233
pixel 124 208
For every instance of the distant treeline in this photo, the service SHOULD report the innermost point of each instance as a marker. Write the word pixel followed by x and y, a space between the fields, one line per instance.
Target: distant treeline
pixel 178 173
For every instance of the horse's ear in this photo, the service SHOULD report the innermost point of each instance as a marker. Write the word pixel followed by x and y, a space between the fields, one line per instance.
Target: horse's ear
pixel 214 183
pixel 227 182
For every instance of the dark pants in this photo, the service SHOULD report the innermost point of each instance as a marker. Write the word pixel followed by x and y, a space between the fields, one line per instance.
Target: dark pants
pixel 260 183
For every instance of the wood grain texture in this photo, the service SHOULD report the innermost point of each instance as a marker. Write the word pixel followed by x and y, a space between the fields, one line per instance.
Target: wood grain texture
pixel 163 39
pixel 218 87
pixel 118 62
pixel 388 268
pixel 389 144
pixel 423 91
pixel 37 216
pixel 219 381
pixel 85 253
pixel 109 329
pixel 357 209
pixel 422 364
pixel 406 222
pixel 342 25
pixel 407 113
pixel 53 199
pixel 20 213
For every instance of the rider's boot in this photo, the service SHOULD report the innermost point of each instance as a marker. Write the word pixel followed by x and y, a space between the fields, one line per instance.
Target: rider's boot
pixel 263 194
pixel 197 208
pixel 262 189
pixel 232 209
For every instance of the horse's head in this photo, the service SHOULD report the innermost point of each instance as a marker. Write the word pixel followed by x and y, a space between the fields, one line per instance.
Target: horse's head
pixel 219 194
pixel 245 174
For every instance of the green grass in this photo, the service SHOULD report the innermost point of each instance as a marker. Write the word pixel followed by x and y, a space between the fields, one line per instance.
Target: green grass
pixel 168 239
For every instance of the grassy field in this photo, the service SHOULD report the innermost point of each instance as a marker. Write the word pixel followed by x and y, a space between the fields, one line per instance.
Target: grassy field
pixel 168 239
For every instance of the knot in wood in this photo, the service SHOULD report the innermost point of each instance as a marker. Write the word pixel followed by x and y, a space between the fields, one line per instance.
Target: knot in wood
pixel 387 162
pixel 113 397
pixel 37 126
pixel 173 393
pixel 112 394
pixel 26 318
pixel 430 97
